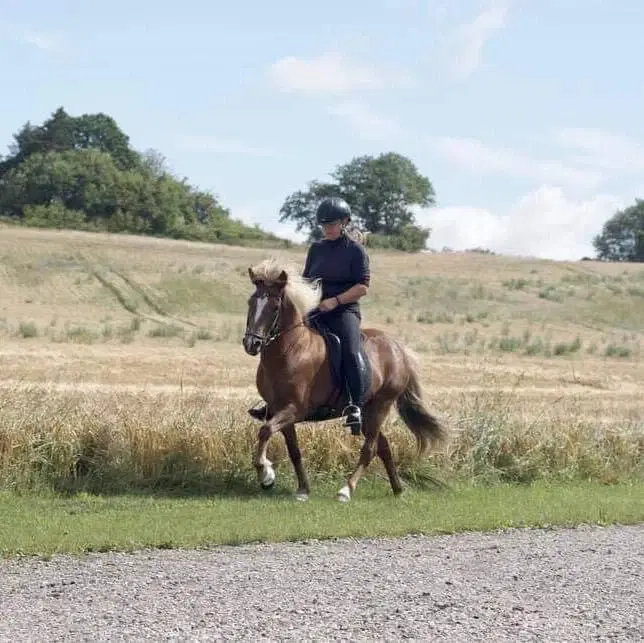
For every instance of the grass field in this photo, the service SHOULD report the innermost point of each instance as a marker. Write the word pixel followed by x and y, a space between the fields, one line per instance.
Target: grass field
pixel 47 524
pixel 122 370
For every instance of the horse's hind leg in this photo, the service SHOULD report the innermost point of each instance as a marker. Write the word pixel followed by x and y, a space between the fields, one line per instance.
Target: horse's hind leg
pixel 290 437
pixel 384 453
pixel 373 419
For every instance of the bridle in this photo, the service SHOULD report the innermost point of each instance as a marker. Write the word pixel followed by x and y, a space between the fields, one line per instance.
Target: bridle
pixel 274 330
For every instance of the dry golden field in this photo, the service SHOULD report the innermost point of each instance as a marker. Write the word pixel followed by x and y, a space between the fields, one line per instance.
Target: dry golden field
pixel 121 362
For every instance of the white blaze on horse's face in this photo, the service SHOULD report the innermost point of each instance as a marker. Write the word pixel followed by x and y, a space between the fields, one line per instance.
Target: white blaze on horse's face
pixel 263 309
pixel 260 304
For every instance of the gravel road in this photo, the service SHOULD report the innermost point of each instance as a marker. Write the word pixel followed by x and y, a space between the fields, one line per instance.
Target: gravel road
pixel 580 584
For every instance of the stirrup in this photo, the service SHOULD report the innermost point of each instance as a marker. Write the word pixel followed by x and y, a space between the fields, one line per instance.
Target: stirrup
pixel 353 418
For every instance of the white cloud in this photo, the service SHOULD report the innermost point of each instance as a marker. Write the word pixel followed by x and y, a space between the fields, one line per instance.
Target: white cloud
pixel 330 73
pixel 607 150
pixel 27 36
pixel 479 157
pixel 219 145
pixel 367 123
pixel 545 223
pixel 470 38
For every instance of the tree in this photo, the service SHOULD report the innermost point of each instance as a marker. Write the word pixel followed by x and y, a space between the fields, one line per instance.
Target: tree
pixel 300 206
pixel 62 132
pixel 86 181
pixel 622 237
pixel 155 162
pixel 380 191
pixel 81 173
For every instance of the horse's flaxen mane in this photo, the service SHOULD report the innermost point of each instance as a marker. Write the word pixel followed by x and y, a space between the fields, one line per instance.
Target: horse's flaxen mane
pixel 305 295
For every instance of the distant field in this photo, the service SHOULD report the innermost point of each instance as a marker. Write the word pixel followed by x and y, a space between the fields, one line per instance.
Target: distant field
pixel 121 364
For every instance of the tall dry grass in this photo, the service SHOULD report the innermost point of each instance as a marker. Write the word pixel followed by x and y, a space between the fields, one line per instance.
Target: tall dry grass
pixel 88 322
pixel 111 442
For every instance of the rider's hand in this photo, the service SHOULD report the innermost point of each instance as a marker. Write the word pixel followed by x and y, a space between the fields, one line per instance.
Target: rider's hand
pixel 327 305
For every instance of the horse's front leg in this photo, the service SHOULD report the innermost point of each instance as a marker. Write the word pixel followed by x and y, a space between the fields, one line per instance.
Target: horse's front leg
pixel 264 467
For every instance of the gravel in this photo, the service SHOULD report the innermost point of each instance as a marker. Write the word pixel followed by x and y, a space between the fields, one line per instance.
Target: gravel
pixel 580 584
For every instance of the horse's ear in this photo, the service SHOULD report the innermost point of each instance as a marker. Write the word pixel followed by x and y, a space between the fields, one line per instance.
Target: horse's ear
pixel 282 279
pixel 251 274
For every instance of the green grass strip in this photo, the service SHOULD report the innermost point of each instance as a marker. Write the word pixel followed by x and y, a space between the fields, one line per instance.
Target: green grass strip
pixel 44 524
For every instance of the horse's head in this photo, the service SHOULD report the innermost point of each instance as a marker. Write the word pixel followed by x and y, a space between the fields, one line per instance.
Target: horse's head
pixel 264 305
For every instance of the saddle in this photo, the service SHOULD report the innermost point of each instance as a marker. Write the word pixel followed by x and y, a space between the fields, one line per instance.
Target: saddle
pixel 334 352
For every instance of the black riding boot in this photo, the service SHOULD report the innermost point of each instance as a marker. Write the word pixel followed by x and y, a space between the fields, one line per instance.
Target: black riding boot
pixel 353 410
pixel 353 419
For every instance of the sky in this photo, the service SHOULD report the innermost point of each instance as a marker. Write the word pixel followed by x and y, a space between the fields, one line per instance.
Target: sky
pixel 526 115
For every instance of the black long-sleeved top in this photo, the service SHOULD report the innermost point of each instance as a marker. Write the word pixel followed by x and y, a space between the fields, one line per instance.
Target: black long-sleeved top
pixel 340 264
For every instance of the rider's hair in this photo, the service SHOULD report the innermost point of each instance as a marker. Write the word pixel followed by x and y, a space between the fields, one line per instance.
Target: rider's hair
pixel 355 234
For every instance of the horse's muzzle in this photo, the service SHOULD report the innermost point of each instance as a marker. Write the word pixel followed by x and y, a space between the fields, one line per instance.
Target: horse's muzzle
pixel 252 345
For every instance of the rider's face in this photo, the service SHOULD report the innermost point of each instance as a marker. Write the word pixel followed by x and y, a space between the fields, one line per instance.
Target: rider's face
pixel 332 230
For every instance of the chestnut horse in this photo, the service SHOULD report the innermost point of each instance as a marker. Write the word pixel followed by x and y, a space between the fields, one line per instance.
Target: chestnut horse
pixel 295 378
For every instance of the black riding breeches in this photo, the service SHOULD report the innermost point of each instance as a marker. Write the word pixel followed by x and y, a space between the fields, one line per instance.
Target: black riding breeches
pixel 346 325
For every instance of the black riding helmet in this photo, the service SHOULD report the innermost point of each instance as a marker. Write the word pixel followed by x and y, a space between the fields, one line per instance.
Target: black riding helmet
pixel 332 209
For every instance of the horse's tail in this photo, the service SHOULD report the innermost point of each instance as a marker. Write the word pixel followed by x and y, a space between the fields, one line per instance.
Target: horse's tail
pixel 425 427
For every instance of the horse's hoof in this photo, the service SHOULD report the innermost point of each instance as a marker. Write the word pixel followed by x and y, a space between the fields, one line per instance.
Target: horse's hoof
pixel 344 495
pixel 301 497
pixel 268 478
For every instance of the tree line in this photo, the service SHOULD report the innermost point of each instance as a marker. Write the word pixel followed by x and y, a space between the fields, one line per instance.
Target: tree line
pixel 81 172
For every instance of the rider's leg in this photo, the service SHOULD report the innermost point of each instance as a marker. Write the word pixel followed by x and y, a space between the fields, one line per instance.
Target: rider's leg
pixel 347 326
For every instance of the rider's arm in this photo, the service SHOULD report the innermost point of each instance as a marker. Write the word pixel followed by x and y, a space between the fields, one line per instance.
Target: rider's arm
pixel 362 275
pixel 353 294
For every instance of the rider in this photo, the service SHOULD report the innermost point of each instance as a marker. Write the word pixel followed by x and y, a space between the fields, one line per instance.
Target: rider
pixel 342 265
